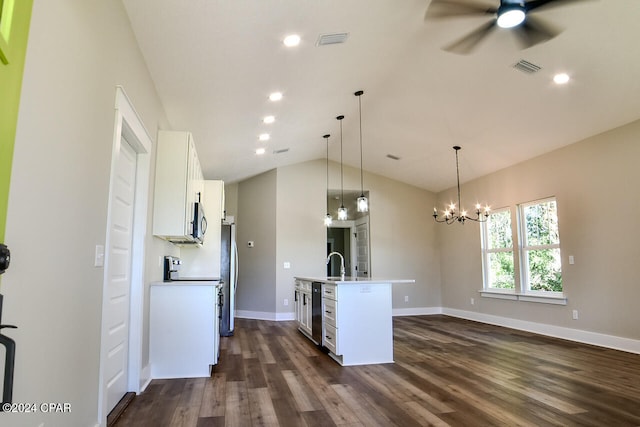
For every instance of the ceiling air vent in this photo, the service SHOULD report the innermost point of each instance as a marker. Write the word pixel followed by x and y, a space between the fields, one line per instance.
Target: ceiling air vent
pixel 283 150
pixel 527 67
pixel 334 38
pixel 392 157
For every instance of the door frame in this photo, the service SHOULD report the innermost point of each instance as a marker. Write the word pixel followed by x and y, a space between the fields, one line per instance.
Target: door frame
pixel 129 124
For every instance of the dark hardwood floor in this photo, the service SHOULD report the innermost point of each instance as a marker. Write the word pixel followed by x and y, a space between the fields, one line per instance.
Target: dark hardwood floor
pixel 447 372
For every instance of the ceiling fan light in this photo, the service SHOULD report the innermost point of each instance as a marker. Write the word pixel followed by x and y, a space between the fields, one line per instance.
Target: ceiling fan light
pixel 510 17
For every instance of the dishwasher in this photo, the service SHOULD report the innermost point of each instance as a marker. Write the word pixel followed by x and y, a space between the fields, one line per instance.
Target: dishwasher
pixel 316 312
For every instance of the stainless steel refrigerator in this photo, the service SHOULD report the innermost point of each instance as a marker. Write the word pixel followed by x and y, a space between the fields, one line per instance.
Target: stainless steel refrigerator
pixel 229 276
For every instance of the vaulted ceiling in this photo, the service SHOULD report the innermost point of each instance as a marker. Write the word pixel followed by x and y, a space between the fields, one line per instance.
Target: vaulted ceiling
pixel 215 62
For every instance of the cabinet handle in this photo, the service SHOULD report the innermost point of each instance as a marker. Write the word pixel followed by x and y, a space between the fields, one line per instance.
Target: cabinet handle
pixel 327 337
pixel 295 296
pixel 304 299
pixel 327 311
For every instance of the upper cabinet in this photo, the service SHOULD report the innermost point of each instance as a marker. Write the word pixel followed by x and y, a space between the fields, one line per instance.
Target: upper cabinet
pixel 178 187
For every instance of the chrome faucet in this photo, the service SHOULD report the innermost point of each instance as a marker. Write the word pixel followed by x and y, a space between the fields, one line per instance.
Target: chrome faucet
pixel 342 271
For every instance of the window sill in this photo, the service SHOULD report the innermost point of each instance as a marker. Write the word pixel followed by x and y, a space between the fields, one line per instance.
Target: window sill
pixel 544 299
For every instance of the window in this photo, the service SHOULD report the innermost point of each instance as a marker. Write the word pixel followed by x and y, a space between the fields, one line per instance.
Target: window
pixel 540 247
pixel 533 252
pixel 497 249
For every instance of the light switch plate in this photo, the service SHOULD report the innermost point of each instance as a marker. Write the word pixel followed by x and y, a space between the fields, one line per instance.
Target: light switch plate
pixel 98 260
pixel 287 265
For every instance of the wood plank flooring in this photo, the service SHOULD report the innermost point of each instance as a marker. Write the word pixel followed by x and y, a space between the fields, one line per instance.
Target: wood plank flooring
pixel 447 372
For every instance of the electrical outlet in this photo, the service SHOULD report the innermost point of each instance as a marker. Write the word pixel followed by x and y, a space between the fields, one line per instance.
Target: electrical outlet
pixel 473 301
pixel 287 265
pixel 286 301
pixel 406 298
pixel 575 314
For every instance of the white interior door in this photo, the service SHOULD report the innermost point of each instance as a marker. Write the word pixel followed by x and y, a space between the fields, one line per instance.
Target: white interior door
pixel 362 249
pixel 118 275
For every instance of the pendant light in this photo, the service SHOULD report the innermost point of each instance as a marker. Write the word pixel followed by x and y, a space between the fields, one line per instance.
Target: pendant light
pixel 363 203
pixel 342 211
pixel 327 219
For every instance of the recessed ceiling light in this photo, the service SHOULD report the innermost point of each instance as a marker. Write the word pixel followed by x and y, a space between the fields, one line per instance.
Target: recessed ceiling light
pixel 275 96
pixel 269 119
pixel 291 40
pixel 561 78
pixel 264 137
pixel 260 151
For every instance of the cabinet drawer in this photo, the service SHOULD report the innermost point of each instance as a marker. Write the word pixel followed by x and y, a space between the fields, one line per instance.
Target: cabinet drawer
pixel 329 311
pixel 330 291
pixel 330 339
pixel 303 285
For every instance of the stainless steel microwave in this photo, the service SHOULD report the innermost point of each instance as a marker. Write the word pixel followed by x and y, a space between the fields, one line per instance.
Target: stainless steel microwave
pixel 199 223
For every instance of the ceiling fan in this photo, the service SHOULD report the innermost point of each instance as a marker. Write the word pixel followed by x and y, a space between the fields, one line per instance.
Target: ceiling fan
pixel 514 15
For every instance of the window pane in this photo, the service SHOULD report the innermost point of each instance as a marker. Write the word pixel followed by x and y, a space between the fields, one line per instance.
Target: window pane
pixel 542 224
pixel 499 230
pixel 545 270
pixel 501 270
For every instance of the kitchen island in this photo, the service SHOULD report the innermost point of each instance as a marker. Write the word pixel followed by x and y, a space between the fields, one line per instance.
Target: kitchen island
pixel 352 319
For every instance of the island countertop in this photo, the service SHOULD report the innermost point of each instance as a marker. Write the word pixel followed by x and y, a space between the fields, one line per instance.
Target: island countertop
pixel 350 280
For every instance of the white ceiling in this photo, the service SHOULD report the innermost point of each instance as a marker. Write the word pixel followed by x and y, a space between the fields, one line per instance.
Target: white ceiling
pixel 214 63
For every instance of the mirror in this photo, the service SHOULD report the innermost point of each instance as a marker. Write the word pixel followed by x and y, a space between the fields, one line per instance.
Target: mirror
pixel 350 237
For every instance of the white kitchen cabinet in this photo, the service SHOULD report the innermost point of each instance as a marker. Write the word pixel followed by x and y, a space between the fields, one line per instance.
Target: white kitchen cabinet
pixel 204 260
pixel 303 306
pixel 178 185
pixel 184 329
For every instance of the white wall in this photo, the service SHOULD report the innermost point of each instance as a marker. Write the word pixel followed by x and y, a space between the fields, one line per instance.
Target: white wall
pixel 78 52
pixel 594 182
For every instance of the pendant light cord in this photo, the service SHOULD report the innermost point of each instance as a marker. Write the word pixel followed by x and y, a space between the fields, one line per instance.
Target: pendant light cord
pixel 327 138
pixel 341 171
pixel 360 111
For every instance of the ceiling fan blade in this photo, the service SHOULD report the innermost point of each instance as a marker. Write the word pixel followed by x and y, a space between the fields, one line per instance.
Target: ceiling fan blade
pixel 467 43
pixel 439 9
pixel 534 31
pixel 536 4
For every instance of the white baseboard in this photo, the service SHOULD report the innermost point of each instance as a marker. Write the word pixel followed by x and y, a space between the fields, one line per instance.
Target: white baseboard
pixel 263 315
pixel 416 311
pixel 586 337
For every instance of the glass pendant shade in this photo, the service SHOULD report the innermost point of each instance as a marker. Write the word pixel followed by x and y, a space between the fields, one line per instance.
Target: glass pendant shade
pixel 342 213
pixel 328 220
pixel 363 204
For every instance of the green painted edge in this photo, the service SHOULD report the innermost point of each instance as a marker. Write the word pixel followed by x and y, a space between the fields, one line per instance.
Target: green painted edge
pixel 11 84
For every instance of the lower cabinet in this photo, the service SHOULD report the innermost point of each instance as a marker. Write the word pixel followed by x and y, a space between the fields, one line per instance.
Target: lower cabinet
pixel 184 330
pixel 302 300
pixel 330 318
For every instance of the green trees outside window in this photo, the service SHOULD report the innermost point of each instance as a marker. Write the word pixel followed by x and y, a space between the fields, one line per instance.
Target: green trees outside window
pixel 541 246
pixel 540 262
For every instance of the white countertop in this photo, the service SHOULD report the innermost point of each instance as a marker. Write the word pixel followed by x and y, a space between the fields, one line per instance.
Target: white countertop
pixel 349 280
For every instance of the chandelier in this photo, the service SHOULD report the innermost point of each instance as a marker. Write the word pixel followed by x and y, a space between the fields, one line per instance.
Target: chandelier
pixel 451 214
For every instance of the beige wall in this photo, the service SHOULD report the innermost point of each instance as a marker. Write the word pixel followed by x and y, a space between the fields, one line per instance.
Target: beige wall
pixel 594 183
pixel 256 221
pixel 403 241
pixel 78 52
